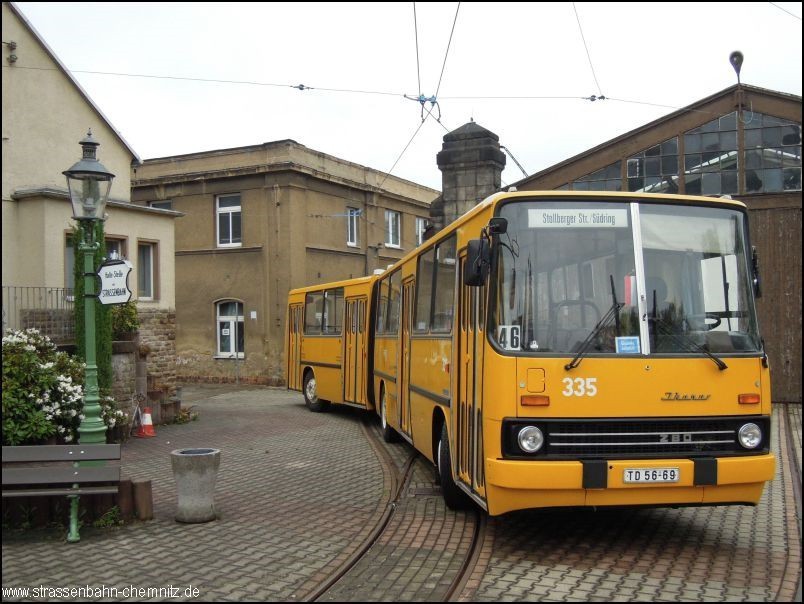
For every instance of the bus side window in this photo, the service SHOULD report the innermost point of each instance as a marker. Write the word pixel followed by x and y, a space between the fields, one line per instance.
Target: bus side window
pixel 394 301
pixel 313 313
pixel 424 291
pixel 333 311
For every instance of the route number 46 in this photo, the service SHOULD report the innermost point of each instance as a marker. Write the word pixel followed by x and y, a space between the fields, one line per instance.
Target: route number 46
pixel 579 387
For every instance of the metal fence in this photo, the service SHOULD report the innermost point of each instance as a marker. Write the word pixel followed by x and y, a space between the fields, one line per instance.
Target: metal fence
pixel 48 309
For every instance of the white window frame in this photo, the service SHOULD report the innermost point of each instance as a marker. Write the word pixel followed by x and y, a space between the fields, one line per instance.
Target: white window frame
pixel 352 227
pixel 151 289
pixel 421 226
pixel 234 322
pixel 166 204
pixel 393 229
pixel 229 211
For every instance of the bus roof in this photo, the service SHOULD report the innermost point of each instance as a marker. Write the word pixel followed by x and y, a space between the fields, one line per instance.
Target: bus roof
pixel 334 284
pixel 623 195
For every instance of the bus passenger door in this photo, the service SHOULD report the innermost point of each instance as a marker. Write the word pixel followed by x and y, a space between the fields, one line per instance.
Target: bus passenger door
pixel 361 353
pixel 293 361
pixel 404 357
pixel 350 351
pixel 354 352
pixel 469 413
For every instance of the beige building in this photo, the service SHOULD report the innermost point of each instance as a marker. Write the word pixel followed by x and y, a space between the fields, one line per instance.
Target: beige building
pixel 45 115
pixel 259 221
pixel 744 142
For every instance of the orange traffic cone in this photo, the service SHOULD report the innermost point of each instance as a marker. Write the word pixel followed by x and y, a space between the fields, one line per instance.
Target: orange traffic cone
pixel 146 426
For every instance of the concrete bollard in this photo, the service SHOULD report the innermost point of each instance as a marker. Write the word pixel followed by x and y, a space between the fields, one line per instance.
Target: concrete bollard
pixel 195 472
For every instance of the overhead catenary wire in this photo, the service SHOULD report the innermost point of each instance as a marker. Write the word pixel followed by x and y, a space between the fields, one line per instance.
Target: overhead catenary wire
pixel 588 56
pixel 387 174
pixel 446 54
pixel 302 87
pixel 785 10
pixel 416 33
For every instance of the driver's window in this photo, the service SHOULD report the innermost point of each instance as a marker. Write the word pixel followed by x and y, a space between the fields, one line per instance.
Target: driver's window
pixel 719 275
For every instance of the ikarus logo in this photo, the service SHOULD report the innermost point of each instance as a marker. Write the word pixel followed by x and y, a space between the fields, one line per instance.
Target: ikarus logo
pixel 684 396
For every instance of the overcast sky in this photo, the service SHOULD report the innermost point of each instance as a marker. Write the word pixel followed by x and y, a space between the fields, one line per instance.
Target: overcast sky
pixel 647 58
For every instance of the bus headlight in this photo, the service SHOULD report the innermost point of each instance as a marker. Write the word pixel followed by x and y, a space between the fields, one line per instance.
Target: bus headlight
pixel 530 439
pixel 750 435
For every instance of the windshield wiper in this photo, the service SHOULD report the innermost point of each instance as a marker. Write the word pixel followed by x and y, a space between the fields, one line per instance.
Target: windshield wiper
pixel 685 341
pixel 613 313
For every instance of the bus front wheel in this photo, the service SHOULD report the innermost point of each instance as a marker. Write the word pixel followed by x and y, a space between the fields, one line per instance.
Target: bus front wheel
pixel 311 394
pixel 453 496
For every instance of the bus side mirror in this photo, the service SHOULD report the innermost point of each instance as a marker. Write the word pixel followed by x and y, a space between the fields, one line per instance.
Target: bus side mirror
pixel 755 271
pixel 498 226
pixel 478 258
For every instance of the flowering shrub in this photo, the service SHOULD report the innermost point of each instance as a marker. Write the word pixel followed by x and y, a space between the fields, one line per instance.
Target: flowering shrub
pixel 110 414
pixel 43 391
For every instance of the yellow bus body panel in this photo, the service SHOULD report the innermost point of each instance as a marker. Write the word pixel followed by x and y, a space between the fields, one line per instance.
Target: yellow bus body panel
pixel 324 354
pixel 513 485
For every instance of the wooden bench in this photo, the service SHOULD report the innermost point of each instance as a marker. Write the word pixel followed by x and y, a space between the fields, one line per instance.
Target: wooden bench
pixel 33 471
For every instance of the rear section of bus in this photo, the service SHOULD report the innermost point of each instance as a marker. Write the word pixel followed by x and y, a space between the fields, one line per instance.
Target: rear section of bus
pixel 327 343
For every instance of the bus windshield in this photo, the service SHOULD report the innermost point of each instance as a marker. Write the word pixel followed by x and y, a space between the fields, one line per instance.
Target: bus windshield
pixel 572 274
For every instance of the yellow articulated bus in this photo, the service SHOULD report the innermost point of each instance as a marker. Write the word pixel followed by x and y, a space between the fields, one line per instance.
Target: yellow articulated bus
pixel 561 348
pixel 327 343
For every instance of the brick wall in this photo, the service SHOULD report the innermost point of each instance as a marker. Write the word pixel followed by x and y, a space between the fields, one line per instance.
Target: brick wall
pixel 158 335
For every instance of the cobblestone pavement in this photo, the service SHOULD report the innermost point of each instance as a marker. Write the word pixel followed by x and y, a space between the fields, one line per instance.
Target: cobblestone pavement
pixel 420 552
pixel 714 554
pixel 295 492
pixel 298 492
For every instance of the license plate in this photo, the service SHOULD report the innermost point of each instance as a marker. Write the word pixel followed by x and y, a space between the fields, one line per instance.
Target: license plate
pixel 651 475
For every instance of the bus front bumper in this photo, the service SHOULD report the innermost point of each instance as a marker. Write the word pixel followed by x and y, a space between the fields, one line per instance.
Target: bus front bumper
pixel 516 485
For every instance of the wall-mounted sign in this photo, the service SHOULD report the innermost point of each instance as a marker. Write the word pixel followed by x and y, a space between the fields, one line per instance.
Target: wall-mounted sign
pixel 114 282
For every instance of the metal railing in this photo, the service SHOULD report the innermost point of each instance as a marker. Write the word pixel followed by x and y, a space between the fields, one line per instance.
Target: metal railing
pixel 48 309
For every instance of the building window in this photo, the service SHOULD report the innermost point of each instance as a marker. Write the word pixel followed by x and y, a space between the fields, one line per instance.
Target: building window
pixel 231 338
pixel 115 249
pixel 772 154
pixel 605 179
pixel 421 226
pixel 161 205
pixel 229 219
pixel 392 228
pixel 654 170
pixel 710 157
pixel 146 256
pixel 352 215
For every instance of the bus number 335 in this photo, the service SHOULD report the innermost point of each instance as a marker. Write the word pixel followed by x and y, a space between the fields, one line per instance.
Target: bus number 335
pixel 579 387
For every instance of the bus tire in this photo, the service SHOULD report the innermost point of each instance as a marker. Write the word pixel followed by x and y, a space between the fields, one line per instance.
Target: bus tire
pixel 311 394
pixel 454 497
pixel 389 435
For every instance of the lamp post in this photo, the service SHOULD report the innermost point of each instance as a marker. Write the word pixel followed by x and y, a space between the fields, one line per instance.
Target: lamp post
pixel 89 182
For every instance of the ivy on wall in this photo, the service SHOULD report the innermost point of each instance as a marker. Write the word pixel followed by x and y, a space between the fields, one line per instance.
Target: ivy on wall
pixel 103 314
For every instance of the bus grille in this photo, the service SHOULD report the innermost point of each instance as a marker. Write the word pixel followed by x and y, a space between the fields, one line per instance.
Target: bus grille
pixel 630 438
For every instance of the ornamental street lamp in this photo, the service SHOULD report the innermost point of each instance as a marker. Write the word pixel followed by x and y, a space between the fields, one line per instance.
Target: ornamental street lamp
pixel 88 182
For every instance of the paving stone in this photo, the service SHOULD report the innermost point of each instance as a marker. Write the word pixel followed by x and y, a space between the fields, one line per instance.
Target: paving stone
pixel 703 554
